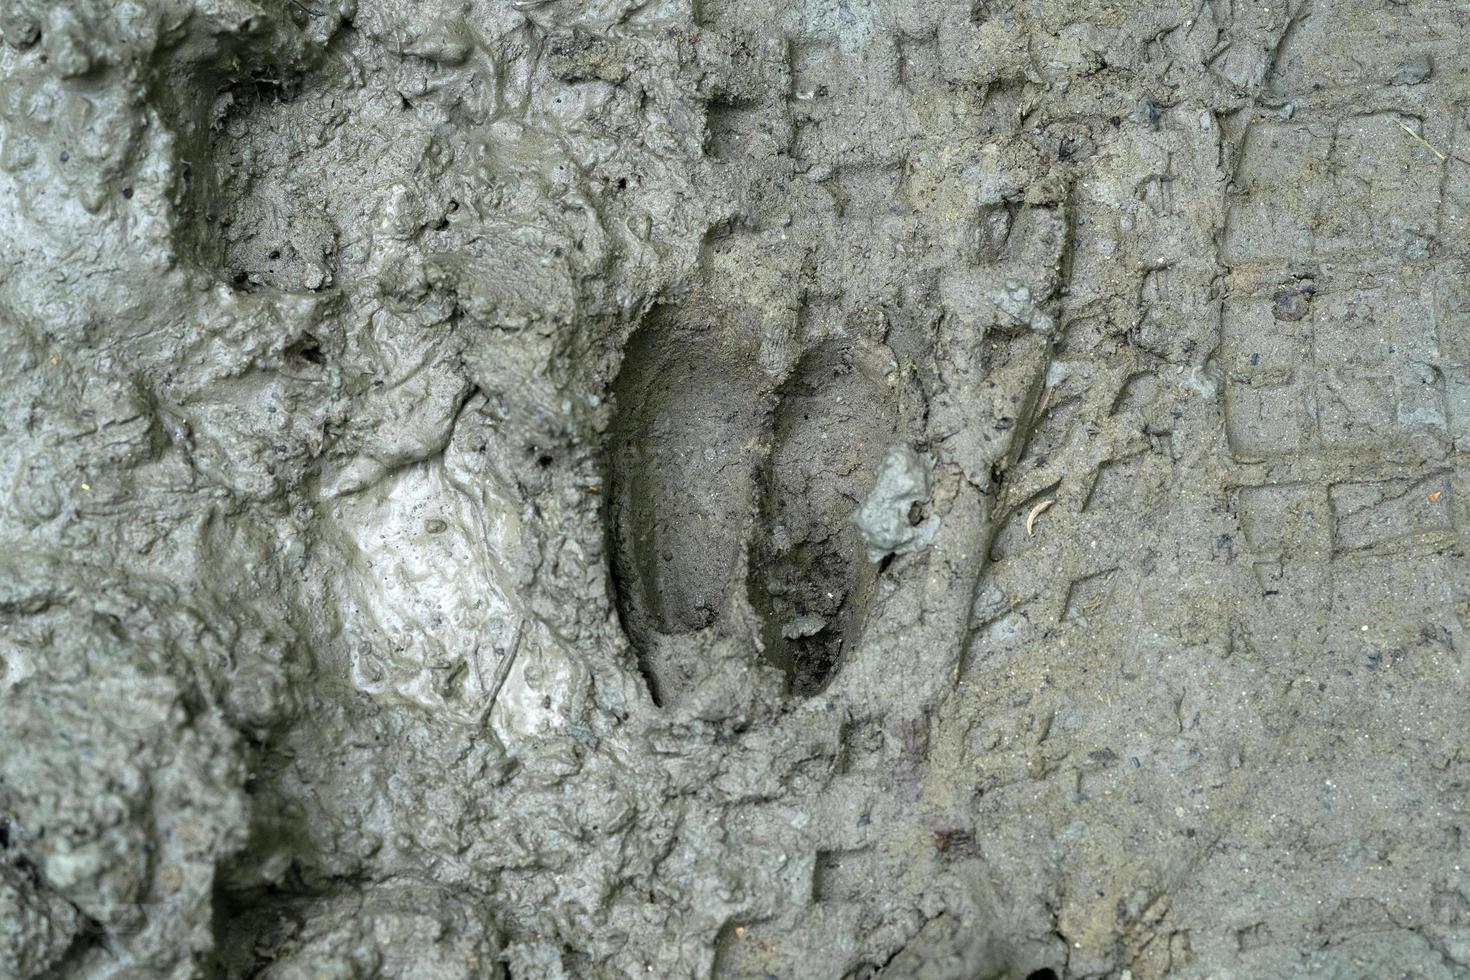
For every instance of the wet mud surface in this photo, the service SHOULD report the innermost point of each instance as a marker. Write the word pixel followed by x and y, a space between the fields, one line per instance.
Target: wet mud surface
pixel 833 489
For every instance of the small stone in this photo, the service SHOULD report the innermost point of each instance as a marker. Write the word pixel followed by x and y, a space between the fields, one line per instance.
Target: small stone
pixel 1417 69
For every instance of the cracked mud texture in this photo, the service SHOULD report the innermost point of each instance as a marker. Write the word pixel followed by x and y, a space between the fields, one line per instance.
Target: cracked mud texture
pixel 363 357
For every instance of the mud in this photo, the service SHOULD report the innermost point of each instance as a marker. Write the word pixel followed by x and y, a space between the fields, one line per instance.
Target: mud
pixel 835 489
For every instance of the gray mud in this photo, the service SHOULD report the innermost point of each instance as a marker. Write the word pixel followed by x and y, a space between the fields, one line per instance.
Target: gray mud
pixel 818 489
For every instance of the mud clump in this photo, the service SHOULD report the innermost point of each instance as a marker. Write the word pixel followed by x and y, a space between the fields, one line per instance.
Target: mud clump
pixel 732 489
pixel 893 519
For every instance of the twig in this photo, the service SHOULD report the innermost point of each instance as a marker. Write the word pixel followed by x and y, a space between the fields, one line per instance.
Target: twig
pixel 1034 514
pixel 1405 127
pixel 502 671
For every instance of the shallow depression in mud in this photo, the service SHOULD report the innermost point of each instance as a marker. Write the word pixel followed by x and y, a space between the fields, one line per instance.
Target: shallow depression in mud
pixel 809 575
pixel 682 448
pixel 718 484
